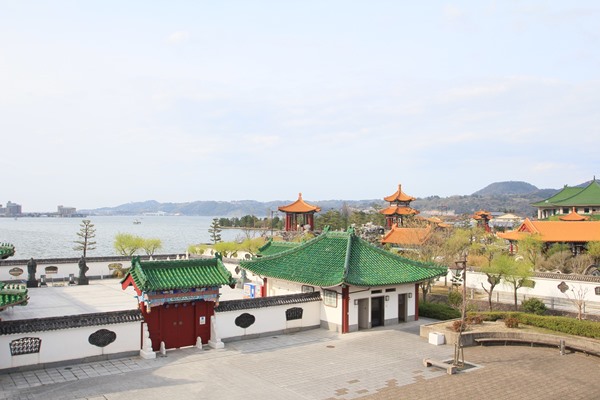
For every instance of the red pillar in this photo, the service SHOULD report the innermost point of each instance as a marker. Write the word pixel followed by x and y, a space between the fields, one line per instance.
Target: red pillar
pixel 416 301
pixel 345 308
pixel 263 291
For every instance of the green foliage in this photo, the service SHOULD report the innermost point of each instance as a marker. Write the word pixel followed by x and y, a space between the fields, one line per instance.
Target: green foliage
pixel 227 249
pixel 197 249
pixel 127 244
pixel 571 326
pixel 86 233
pixel 455 299
pixel 593 249
pixel 534 306
pixel 251 245
pixel 150 246
pixel 215 231
pixel 531 248
pixel 437 311
pixel 558 248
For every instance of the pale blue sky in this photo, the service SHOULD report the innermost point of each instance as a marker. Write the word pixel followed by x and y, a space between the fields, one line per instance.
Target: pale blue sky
pixel 107 102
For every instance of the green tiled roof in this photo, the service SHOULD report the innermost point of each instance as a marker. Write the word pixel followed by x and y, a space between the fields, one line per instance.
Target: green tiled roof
pixel 334 258
pixel 6 250
pixel 179 274
pixel 574 196
pixel 275 247
pixel 12 294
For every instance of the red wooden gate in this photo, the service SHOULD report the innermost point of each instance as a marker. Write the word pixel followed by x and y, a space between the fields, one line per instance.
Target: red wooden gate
pixel 179 324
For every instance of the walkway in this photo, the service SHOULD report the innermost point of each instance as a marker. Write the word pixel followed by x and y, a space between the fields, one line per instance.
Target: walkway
pixel 384 363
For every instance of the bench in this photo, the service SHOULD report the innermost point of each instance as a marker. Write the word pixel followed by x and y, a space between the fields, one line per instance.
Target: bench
pixel 450 369
pixel 557 343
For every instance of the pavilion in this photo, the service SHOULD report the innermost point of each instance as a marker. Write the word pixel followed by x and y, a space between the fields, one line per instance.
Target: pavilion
pixel 362 286
pixel 399 208
pixel 299 214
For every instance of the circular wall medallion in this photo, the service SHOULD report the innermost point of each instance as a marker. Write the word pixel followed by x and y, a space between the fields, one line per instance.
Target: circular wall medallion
pixel 102 338
pixel 245 320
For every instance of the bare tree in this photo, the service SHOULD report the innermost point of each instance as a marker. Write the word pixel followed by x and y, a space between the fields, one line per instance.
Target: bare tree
pixel 577 298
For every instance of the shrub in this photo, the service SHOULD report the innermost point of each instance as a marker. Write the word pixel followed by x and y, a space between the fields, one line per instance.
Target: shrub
pixel 437 311
pixel 455 299
pixel 566 325
pixel 459 326
pixel 511 322
pixel 474 319
pixel 534 306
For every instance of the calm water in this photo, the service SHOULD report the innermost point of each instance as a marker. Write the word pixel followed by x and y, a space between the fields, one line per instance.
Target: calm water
pixel 54 237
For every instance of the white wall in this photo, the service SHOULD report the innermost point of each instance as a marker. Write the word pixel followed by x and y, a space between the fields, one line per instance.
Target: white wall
pixel 391 306
pixel 71 344
pixel 545 289
pixel 267 319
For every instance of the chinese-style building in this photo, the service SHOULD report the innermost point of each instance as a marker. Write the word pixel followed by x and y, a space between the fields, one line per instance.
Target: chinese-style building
pixel 575 233
pixel 299 214
pixel 177 298
pixel 482 218
pixel 414 236
pixel 399 208
pixel 362 286
pixel 582 200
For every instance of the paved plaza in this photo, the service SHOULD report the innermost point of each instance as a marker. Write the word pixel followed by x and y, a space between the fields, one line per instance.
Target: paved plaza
pixel 383 363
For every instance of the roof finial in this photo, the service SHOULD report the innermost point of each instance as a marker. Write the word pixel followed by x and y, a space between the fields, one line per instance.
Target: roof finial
pixel 300 195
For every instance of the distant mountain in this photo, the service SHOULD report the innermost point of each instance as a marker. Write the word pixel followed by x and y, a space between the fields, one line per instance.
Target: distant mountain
pixel 222 208
pixel 505 188
pixel 511 196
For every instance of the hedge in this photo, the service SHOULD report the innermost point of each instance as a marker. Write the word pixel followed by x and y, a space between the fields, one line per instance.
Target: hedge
pixel 566 325
pixel 438 311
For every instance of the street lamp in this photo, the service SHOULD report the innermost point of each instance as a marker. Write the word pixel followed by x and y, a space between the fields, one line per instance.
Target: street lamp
pixel 460 266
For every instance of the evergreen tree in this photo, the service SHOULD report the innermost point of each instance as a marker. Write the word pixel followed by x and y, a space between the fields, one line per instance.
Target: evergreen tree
pixel 86 233
pixel 215 231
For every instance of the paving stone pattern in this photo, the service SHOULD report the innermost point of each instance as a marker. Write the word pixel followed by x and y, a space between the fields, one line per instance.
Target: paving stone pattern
pixel 384 363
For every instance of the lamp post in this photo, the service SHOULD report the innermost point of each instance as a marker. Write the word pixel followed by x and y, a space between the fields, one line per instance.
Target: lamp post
pixel 459 356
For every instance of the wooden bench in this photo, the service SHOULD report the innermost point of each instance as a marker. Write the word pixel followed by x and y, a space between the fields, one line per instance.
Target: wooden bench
pixel 557 343
pixel 450 369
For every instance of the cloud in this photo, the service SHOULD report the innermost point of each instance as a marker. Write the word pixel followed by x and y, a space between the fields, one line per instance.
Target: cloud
pixel 178 37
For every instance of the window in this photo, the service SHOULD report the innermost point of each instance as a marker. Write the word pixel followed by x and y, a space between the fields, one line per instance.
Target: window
pixel 565 210
pixel 597 290
pixel 375 291
pixel 329 298
pixel 307 289
pixel 390 290
pixel 586 210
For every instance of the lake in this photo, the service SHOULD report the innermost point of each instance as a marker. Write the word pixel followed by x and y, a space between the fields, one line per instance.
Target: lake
pixel 47 237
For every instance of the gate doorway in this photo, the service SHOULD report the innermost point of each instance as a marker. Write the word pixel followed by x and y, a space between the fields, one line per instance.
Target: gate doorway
pixel 363 314
pixel 402 304
pixel 180 324
pixel 377 308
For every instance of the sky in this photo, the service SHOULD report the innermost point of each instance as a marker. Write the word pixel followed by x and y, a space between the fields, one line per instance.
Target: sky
pixel 109 102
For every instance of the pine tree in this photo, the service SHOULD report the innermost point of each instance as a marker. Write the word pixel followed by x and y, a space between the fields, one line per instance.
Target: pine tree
pixel 86 234
pixel 215 231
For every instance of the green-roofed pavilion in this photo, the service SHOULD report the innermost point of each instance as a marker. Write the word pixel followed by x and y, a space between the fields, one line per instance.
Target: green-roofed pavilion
pixel 340 264
pixel 177 298
pixel 582 200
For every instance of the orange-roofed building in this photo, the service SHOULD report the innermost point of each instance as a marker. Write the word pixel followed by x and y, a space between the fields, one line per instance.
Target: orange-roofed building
pixel 299 214
pixel 399 208
pixel 575 233
pixel 483 219
pixel 407 236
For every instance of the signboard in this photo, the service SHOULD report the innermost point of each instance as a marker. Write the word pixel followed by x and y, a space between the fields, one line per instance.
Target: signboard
pixel 330 298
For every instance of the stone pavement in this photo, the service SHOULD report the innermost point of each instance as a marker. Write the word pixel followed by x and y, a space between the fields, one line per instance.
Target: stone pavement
pixel 383 363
